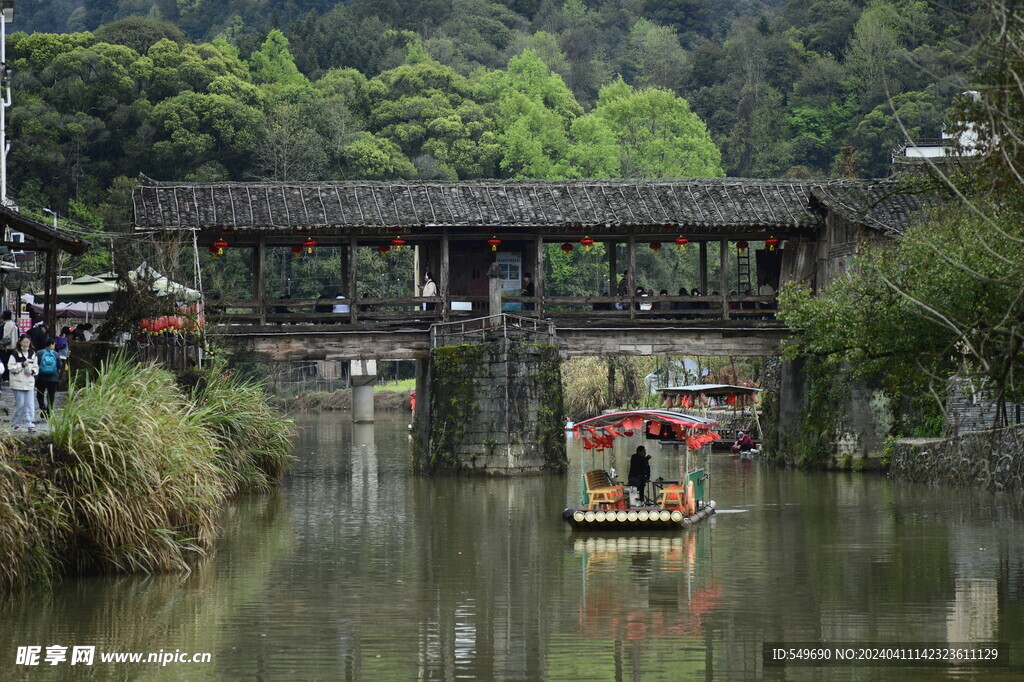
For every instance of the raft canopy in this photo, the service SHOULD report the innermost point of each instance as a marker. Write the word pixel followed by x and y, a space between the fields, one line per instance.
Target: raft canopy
pixel 598 433
pixel 709 389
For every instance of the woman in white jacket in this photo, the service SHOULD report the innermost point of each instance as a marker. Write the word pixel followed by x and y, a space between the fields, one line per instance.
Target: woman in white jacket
pixel 23 366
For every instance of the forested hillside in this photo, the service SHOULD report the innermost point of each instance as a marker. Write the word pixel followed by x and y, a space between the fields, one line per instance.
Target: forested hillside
pixel 461 89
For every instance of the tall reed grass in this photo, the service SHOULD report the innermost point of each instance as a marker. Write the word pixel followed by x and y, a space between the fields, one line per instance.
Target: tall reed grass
pixel 141 470
pixel 253 441
pixel 34 523
pixel 135 474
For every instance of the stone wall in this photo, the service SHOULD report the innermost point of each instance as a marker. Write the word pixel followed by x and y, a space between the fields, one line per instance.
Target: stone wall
pixel 495 408
pixel 988 459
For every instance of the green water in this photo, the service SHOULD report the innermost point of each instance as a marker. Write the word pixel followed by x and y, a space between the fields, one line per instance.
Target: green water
pixel 354 569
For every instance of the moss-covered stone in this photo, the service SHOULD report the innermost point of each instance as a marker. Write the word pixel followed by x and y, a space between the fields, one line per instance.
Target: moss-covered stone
pixel 495 408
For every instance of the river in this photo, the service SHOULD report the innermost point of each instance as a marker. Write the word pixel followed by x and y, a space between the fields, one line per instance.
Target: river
pixel 355 569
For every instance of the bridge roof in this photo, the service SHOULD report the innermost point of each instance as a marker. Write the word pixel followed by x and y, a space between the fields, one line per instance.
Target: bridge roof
pixel 887 205
pixel 708 205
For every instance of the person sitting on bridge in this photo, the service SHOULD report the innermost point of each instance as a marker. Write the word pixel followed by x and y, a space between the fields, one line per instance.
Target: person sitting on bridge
pixel 744 443
pixel 640 471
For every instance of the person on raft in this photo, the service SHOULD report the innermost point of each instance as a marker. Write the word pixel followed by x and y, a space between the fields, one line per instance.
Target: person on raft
pixel 640 471
pixel 744 443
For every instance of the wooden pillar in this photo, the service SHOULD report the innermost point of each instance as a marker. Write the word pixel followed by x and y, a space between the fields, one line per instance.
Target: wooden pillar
pixel 50 311
pixel 631 276
pixel 417 273
pixel 723 258
pixel 702 270
pixel 538 276
pixel 444 277
pixel 259 278
pixel 353 295
pixel 344 270
pixel 613 275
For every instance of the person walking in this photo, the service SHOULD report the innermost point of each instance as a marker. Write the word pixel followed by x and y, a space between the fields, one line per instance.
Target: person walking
pixel 49 374
pixel 8 340
pixel 24 368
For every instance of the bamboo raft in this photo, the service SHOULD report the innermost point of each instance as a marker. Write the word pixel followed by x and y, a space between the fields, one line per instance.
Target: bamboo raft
pixel 635 519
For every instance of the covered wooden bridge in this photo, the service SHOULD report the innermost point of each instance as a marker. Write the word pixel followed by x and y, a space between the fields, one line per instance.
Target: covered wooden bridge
pixel 761 234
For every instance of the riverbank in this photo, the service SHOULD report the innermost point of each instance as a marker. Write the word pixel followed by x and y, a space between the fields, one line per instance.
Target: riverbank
pixel 134 473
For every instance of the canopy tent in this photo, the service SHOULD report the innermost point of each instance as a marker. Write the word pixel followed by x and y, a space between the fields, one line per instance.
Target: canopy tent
pixel 89 288
pixel 165 287
pixel 78 310
pixel 598 433
pixel 697 395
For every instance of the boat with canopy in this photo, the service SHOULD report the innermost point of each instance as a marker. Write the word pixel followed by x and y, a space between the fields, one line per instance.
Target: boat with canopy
pixel 607 504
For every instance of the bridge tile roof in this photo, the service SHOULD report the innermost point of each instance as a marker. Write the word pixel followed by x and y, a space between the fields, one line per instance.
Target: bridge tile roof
pixel 698 205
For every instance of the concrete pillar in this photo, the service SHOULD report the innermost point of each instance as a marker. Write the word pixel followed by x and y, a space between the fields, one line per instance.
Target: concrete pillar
pixel 363 374
pixel 494 290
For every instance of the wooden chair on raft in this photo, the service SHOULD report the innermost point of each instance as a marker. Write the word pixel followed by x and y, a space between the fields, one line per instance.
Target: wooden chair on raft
pixel 603 494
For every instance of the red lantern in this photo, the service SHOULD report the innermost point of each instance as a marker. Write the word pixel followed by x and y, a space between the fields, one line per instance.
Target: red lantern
pixel 587 242
pixel 494 242
pixel 742 247
pixel 682 241
pixel 220 245
pixel 384 248
pixel 730 399
pixel 398 243
pixel 309 245
pixel 297 250
pixel 212 250
pixel 144 325
pixel 655 246
pixel 771 243
pixel 567 247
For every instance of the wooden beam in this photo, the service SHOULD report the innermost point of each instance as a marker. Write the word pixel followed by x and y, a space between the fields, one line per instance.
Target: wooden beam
pixel 702 269
pixel 353 264
pixel 631 276
pixel 445 277
pixel 259 278
pixel 538 275
pixel 723 258
pixel 50 310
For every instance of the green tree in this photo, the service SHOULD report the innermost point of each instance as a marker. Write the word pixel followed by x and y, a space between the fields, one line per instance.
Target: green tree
pixel 658 135
pixel 274 65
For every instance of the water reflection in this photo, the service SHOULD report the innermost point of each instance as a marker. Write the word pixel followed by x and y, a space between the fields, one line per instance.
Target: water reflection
pixel 357 570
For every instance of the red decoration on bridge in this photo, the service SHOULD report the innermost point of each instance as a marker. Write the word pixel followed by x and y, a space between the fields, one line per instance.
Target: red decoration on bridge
pixel 742 247
pixel 587 242
pixel 398 243
pixel 682 241
pixel 567 247
pixel 384 248
pixel 771 243
pixel 655 246
pixel 309 245
pixel 297 250
pixel 494 242
pixel 219 245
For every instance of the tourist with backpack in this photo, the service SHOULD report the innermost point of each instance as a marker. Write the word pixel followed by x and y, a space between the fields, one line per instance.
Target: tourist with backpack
pixel 49 375
pixel 23 368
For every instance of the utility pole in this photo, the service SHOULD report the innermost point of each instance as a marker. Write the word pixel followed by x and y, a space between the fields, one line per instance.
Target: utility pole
pixel 7 7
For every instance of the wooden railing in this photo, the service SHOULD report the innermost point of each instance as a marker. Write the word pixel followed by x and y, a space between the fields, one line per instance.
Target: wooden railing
pixel 490 328
pixel 425 311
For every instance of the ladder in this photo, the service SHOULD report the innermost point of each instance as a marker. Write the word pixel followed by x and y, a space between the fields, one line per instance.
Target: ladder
pixel 743 272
